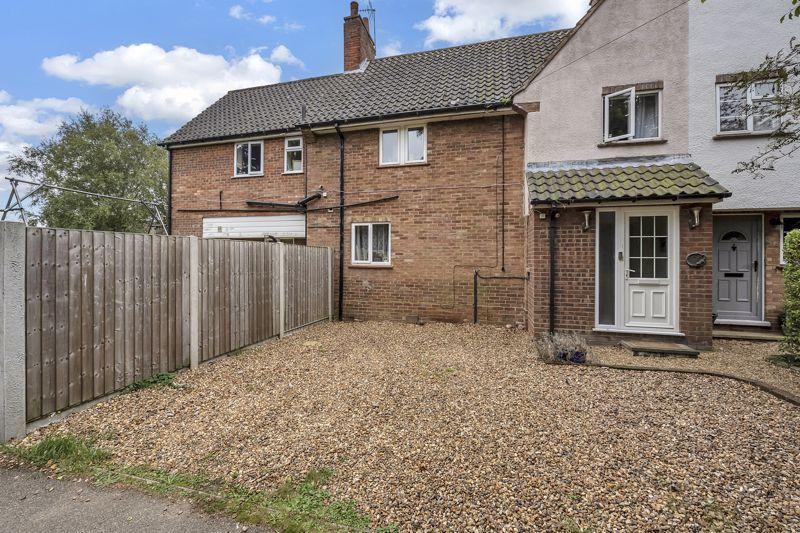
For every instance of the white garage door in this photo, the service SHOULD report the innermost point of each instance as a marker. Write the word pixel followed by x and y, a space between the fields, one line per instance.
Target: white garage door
pixel 280 226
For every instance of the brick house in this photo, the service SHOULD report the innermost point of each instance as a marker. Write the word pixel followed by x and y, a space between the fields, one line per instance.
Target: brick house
pixel 511 178
pixel 429 189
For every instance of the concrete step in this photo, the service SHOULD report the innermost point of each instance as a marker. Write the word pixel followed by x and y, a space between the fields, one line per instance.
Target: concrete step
pixel 659 348
pixel 754 335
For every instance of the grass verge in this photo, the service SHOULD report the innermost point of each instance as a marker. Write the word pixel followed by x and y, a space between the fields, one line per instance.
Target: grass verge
pixel 295 507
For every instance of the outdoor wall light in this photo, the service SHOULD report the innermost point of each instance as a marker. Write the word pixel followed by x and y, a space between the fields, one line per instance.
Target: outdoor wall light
pixel 695 219
pixel 587 219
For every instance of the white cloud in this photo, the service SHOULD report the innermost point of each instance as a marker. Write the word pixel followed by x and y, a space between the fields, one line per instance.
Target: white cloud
pixel 461 21
pixel 238 12
pixel 26 121
pixel 392 48
pixel 266 19
pixel 171 85
pixel 281 54
pixel 290 26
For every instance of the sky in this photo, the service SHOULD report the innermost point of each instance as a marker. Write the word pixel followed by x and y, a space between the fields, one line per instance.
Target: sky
pixel 162 62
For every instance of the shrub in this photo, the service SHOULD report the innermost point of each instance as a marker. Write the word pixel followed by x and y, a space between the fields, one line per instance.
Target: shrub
pixel 791 275
pixel 562 348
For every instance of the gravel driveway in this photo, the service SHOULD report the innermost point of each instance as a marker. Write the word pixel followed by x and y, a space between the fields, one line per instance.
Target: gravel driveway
pixel 738 358
pixel 446 427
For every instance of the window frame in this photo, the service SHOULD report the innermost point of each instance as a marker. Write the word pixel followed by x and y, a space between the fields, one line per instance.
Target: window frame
pixel 749 115
pixel 235 162
pixel 402 145
pixel 370 261
pixel 287 149
pixel 631 137
pixel 783 233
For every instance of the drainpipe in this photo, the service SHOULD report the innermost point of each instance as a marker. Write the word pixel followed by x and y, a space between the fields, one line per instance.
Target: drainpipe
pixel 552 238
pixel 169 191
pixel 341 221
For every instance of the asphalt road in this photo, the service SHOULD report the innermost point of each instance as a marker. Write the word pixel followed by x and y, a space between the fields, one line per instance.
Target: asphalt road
pixel 29 502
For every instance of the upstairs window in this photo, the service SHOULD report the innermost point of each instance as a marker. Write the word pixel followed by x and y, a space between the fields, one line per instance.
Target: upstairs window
pixel 293 155
pixel 400 146
pixel 248 159
pixel 741 110
pixel 630 115
pixel 372 244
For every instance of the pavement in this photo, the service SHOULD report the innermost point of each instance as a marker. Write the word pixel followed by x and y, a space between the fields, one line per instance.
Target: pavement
pixel 30 501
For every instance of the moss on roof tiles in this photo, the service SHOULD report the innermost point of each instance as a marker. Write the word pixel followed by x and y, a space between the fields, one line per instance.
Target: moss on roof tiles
pixel 622 183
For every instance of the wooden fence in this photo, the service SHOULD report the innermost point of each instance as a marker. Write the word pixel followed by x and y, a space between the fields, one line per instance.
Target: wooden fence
pixel 104 310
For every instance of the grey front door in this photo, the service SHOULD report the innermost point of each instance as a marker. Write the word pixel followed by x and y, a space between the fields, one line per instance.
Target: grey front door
pixel 737 268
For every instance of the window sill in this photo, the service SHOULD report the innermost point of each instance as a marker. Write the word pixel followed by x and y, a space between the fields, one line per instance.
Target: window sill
pixel 635 142
pixel 293 173
pixel 370 266
pixel 742 135
pixel 245 176
pixel 396 165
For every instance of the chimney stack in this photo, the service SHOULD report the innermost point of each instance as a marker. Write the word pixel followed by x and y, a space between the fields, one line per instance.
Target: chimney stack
pixel 358 44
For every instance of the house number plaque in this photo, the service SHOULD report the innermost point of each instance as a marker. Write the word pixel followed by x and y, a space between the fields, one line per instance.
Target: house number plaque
pixel 696 259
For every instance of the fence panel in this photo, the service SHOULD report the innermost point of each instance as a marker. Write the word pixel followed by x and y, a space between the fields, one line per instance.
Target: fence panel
pixel 104 310
pixel 307 285
pixel 94 314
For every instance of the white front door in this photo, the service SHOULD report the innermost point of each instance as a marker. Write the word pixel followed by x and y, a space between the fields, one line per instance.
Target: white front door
pixel 649 268
pixel 637 269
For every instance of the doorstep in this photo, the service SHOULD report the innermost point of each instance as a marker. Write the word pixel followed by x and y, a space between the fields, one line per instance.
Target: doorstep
pixel 769 336
pixel 659 348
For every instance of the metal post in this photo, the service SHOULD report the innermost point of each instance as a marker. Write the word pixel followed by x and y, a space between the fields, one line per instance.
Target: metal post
pixel 330 284
pixel 281 290
pixel 194 302
pixel 12 330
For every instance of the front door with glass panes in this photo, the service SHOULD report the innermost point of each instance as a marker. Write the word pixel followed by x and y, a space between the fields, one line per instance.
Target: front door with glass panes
pixel 637 279
pixel 648 275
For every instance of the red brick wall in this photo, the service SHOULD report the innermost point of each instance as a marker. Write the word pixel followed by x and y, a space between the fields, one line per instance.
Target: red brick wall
pixel 773 271
pixel 445 223
pixel 575 276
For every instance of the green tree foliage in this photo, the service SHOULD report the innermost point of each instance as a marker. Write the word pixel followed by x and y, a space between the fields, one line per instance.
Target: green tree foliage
pixel 104 153
pixel 791 276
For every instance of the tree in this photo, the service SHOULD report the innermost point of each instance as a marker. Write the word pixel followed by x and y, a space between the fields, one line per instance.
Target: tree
pixel 782 68
pixel 791 274
pixel 104 153
pixel 784 109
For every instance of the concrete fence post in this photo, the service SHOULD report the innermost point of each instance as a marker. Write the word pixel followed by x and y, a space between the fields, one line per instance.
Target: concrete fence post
pixel 12 330
pixel 194 302
pixel 281 290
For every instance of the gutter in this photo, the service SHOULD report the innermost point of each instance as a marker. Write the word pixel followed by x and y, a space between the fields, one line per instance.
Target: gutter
pixel 674 198
pixel 332 124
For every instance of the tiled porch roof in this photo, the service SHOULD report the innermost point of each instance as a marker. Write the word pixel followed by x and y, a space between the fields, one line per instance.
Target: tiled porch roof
pixel 599 181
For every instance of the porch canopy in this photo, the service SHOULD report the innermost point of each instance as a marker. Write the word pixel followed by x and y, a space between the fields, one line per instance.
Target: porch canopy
pixel 667 178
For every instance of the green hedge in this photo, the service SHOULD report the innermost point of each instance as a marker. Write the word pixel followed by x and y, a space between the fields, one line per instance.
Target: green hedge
pixel 791 276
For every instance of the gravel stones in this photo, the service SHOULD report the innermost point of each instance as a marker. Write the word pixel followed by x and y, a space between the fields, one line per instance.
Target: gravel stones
pixel 460 428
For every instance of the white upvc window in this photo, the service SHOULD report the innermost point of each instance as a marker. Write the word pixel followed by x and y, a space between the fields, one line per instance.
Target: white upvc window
pixel 632 115
pixel 403 145
pixel 248 159
pixel 293 155
pixel 741 110
pixel 372 243
pixel 789 222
